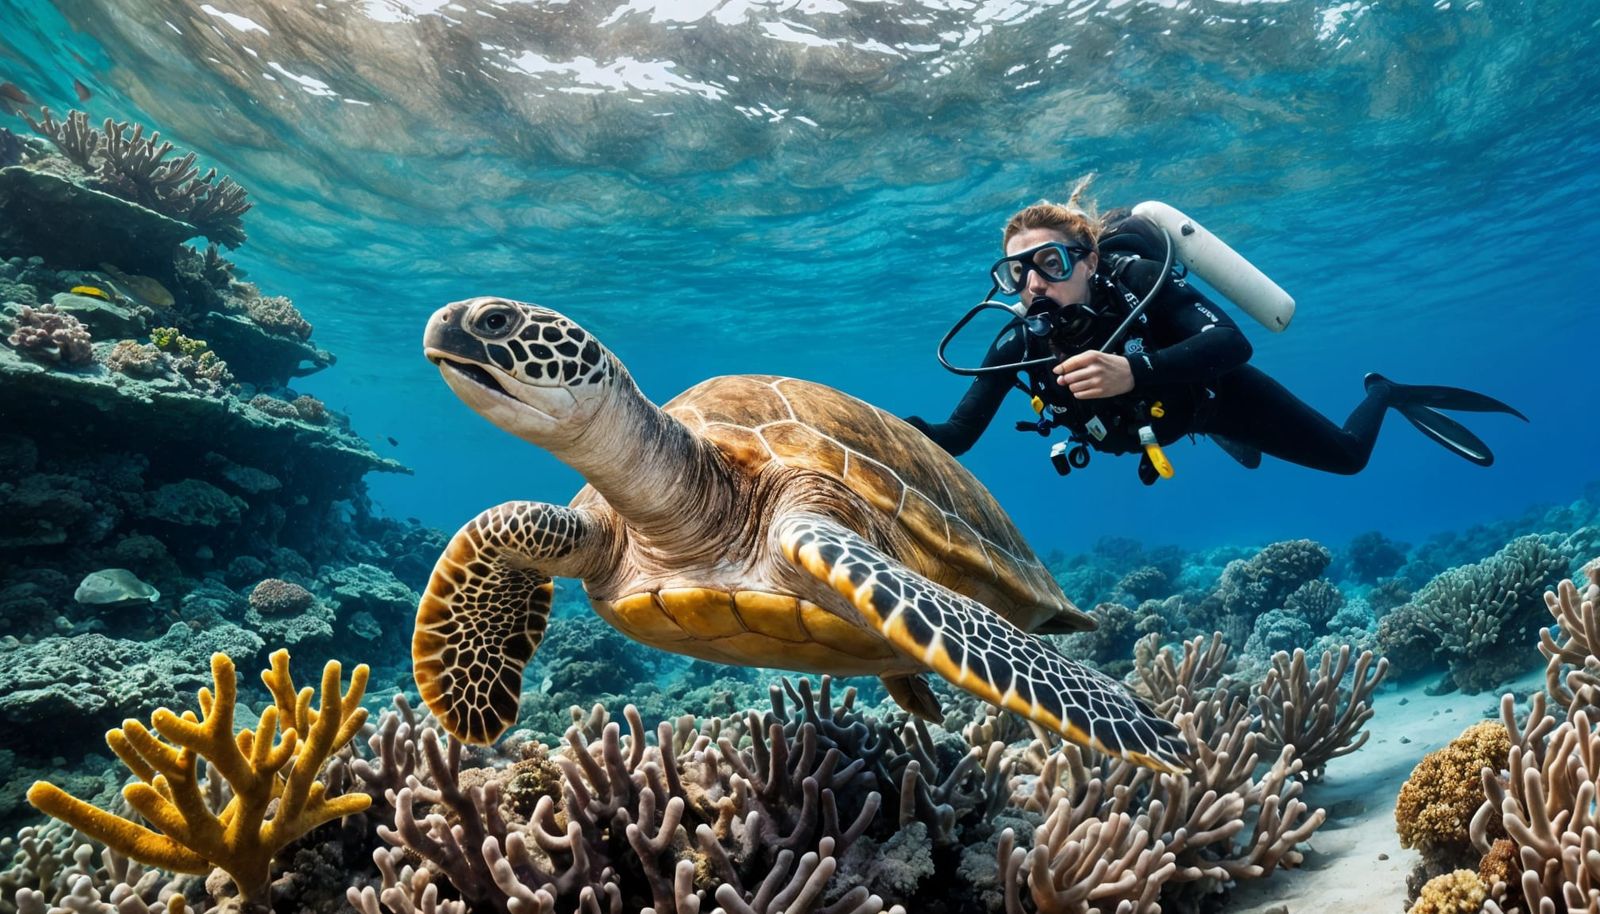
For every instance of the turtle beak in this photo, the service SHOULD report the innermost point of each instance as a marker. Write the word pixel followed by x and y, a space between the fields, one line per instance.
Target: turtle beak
pixel 446 340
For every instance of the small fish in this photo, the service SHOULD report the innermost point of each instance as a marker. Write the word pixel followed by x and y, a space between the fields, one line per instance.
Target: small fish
pixel 13 99
pixel 83 91
pixel 390 439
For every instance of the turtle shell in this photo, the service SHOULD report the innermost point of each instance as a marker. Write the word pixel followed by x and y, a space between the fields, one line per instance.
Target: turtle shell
pixel 958 534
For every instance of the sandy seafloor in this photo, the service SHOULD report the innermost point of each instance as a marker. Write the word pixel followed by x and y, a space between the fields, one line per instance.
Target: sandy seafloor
pixel 1355 862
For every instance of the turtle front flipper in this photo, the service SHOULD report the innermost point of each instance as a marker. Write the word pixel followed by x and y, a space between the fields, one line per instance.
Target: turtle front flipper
pixel 485 609
pixel 976 649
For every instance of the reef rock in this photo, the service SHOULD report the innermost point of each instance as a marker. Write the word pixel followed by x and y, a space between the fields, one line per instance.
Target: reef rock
pixel 110 586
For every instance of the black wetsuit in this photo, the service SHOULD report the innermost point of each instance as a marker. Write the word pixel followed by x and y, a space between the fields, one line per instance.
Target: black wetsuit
pixel 1188 361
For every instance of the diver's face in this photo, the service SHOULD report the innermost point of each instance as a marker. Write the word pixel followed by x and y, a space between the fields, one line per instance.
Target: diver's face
pixel 1071 291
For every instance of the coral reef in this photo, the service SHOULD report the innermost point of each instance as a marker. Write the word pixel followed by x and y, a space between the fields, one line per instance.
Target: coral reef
pixel 1438 801
pixel 274 793
pixel 278 315
pixel 136 168
pixel 1249 588
pixel 42 333
pixel 274 596
pixel 1471 614
pixel 1127 839
pixel 1372 556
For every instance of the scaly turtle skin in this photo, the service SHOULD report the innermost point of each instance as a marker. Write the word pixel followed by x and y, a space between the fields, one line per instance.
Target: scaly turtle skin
pixel 753 520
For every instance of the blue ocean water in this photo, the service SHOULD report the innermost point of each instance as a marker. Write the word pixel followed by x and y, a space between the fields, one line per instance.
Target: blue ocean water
pixel 815 188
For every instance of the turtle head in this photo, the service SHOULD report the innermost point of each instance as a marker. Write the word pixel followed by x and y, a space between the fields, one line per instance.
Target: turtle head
pixel 529 370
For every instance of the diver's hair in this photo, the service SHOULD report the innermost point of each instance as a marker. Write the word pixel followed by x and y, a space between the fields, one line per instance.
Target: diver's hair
pixel 1077 218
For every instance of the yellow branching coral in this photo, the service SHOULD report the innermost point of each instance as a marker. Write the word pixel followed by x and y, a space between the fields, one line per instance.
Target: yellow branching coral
pixel 1459 892
pixel 277 796
pixel 1436 805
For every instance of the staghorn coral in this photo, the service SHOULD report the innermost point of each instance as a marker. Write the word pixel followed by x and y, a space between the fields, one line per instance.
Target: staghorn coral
pixel 633 815
pixel 78 141
pixel 1438 801
pixel 1305 713
pixel 44 334
pixel 274 779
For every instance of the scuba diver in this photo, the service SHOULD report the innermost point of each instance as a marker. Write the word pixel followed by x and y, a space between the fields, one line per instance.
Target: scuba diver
pixel 1112 344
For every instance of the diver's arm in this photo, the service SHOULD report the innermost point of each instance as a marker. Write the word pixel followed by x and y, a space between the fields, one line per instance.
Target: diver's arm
pixel 981 401
pixel 1212 343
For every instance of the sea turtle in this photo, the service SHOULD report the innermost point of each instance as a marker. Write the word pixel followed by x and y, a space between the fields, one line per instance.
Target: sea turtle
pixel 753 520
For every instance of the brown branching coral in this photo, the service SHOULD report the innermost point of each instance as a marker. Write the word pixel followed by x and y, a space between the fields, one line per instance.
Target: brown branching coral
pixel 1315 715
pixel 631 815
pixel 48 336
pixel 1118 838
pixel 76 139
pixel 137 168
pixel 1545 793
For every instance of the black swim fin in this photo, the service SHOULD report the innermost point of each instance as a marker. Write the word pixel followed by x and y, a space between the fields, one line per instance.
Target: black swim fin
pixel 1248 457
pixel 1420 404
pixel 1439 397
pixel 1448 432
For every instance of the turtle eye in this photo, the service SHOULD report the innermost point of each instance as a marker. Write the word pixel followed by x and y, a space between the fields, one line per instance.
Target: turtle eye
pixel 495 323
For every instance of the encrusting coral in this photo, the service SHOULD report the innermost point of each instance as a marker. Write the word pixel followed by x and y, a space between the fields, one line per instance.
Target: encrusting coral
pixel 1437 803
pixel 1458 892
pixel 276 794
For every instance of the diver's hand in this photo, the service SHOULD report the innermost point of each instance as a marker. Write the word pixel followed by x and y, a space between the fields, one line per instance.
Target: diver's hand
pixel 1093 375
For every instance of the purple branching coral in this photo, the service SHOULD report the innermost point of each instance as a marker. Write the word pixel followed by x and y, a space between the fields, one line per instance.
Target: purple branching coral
pixel 752 813
pixel 48 336
pixel 136 167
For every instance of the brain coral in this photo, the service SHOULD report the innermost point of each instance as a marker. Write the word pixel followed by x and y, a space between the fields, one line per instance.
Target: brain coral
pixel 275 595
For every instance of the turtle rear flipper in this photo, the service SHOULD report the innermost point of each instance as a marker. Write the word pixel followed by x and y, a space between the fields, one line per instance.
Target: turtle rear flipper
pixel 484 613
pixel 976 649
pixel 914 695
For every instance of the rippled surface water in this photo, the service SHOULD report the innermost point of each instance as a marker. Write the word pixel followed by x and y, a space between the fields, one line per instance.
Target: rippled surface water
pixel 816 188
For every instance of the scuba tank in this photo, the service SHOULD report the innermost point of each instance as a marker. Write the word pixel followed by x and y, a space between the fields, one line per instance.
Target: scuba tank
pixel 1149 227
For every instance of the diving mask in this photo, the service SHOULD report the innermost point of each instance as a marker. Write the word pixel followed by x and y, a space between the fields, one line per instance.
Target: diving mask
pixel 1053 260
